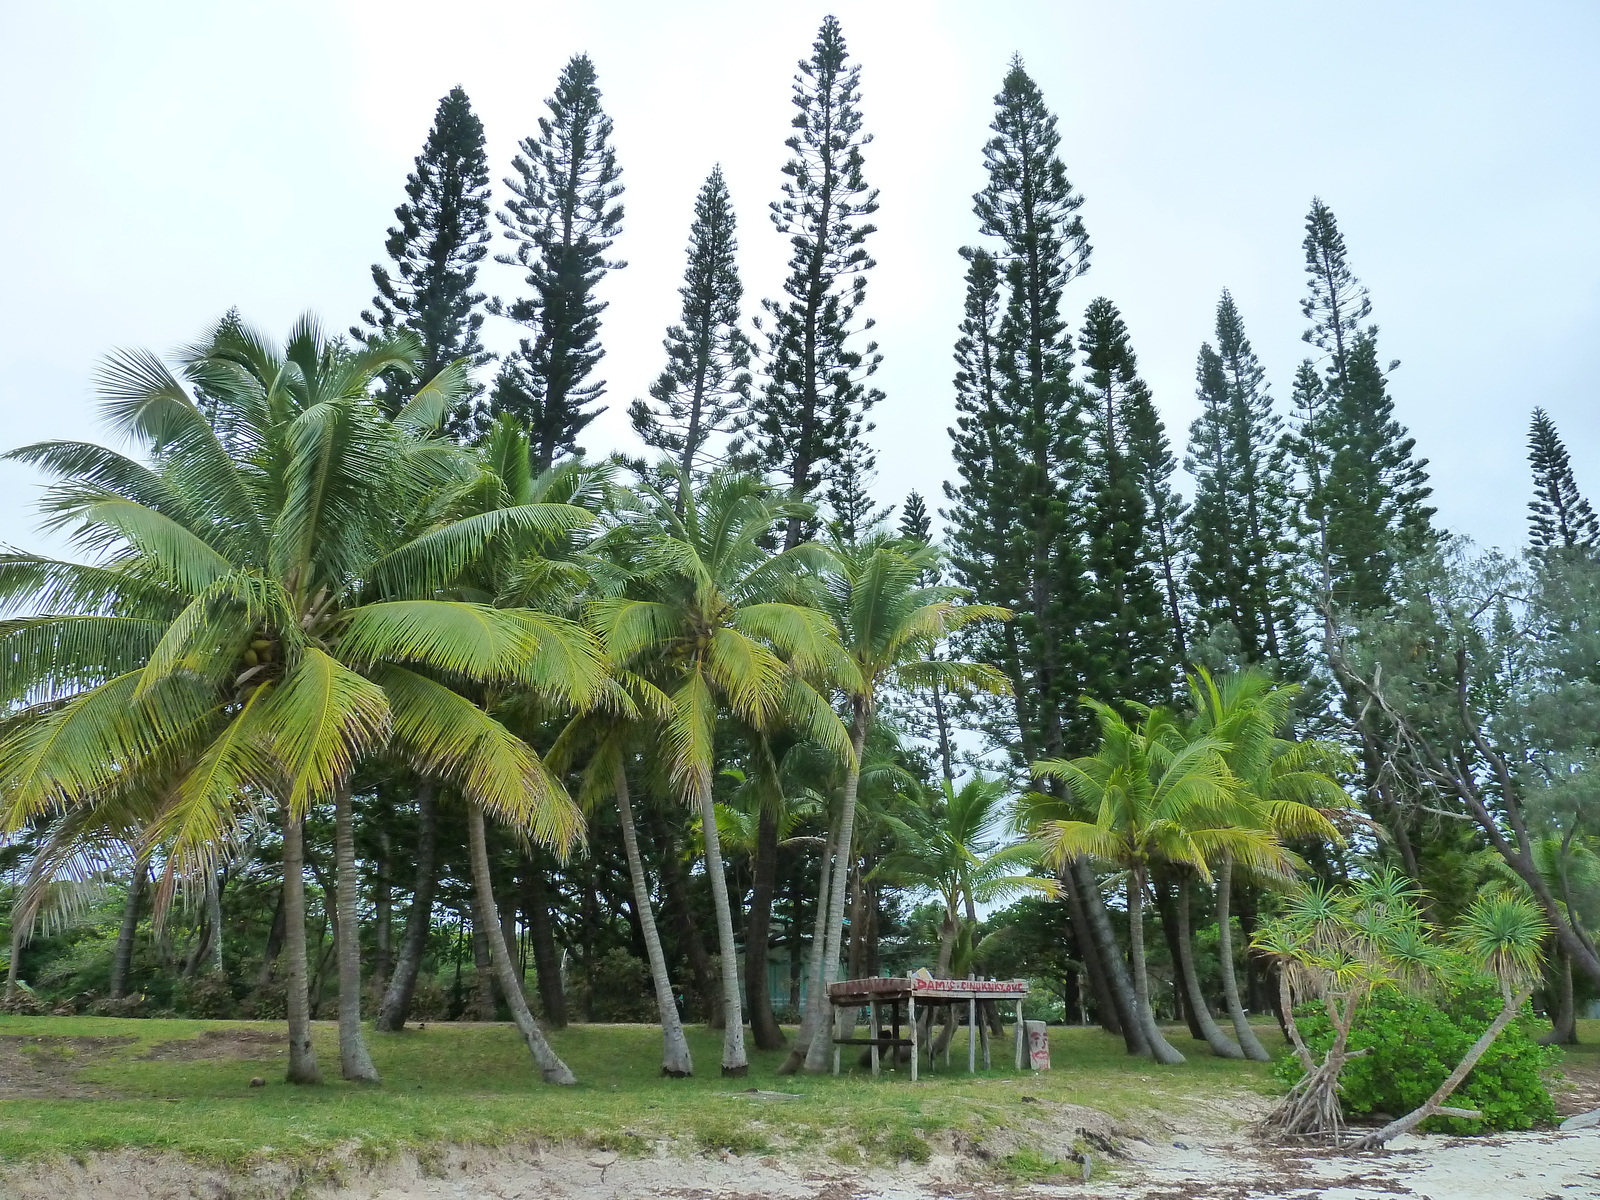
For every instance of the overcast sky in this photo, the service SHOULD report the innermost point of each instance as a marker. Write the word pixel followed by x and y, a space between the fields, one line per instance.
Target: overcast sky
pixel 162 162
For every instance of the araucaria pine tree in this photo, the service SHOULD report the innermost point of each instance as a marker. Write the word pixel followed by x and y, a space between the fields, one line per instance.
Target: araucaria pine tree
pixel 441 234
pixel 1368 505
pixel 811 410
pixel 1015 537
pixel 704 393
pixel 1559 517
pixel 563 217
pixel 1240 571
pixel 1130 642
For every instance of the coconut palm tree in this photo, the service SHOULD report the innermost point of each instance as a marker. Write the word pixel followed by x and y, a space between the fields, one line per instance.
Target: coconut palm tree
pixel 889 625
pixel 1286 788
pixel 713 619
pixel 259 616
pixel 1150 793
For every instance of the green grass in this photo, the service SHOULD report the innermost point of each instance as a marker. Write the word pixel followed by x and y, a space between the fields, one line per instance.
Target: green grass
pixel 475 1084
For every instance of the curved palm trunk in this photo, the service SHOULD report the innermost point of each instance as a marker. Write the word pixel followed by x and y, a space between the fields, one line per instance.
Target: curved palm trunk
pixel 1120 985
pixel 757 930
pixel 402 985
pixel 734 1062
pixel 817 1052
pixel 355 1063
pixel 816 1007
pixel 1248 1042
pixel 127 930
pixel 487 916
pixel 1094 970
pixel 1220 1044
pixel 1160 1049
pixel 302 1057
pixel 675 1060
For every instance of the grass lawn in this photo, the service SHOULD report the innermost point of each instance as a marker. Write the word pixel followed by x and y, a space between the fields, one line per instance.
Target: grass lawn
pixel 183 1087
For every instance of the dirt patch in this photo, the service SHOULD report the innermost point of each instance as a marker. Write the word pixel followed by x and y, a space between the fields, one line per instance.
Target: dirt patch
pixel 1579 1092
pixel 47 1067
pixel 221 1043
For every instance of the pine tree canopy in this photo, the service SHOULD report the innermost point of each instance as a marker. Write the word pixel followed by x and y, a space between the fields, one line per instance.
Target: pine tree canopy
pixel 704 392
pixel 1239 527
pixel 1337 302
pixel 1559 517
pixel 562 217
pixel 441 234
pixel 811 411
pixel 915 523
pixel 1132 646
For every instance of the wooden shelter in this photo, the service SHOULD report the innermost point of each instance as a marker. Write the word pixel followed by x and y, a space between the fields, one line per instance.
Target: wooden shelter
pixel 871 994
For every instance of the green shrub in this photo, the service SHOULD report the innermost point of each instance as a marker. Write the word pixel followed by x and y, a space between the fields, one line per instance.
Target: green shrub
pixel 1415 1042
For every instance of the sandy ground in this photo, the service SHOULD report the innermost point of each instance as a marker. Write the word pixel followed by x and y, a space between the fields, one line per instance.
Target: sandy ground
pixel 1534 1166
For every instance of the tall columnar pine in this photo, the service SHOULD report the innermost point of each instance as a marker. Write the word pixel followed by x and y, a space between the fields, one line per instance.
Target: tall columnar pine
pixel 1014 521
pixel 702 398
pixel 811 410
pixel 1130 641
pixel 441 235
pixel 1150 454
pixel 563 217
pixel 1559 517
pixel 916 525
pixel 853 514
pixel 1239 527
pixel 1369 508
pixel 1018 445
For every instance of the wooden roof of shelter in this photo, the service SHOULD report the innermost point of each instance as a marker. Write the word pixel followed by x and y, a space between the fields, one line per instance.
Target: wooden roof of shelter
pixel 860 991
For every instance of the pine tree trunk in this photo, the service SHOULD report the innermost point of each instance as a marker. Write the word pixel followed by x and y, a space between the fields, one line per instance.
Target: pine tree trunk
pixel 551 1068
pixel 734 1062
pixel 482 1008
pixel 127 930
pixel 1435 1103
pixel 402 985
pixel 816 1003
pixel 546 957
pixel 817 1054
pixel 1220 1045
pixel 675 1059
pixel 1160 1049
pixel 355 1064
pixel 383 920
pixel 302 1056
pixel 757 938
pixel 274 946
pixel 1248 1041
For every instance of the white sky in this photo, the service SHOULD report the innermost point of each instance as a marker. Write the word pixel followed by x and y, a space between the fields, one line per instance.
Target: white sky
pixel 164 161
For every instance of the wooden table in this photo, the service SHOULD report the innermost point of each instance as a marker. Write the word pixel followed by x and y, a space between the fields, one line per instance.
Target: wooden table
pixel 908 990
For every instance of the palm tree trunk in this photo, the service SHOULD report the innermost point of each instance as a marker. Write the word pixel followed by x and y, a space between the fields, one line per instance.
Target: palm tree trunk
pixel 355 1063
pixel 487 920
pixel 734 1062
pixel 1167 918
pixel 1564 1012
pixel 817 1053
pixel 1220 1045
pixel 675 894
pixel 1248 1042
pixel 214 920
pixel 1094 970
pixel 816 1004
pixel 546 957
pixel 1160 1049
pixel 1435 1103
pixel 1118 982
pixel 402 984
pixel 383 919
pixel 122 957
pixel 302 1056
pixel 675 1060
pixel 757 935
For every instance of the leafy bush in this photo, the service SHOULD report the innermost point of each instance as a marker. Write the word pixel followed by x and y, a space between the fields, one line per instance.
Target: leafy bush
pixel 1415 1042
pixel 618 988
